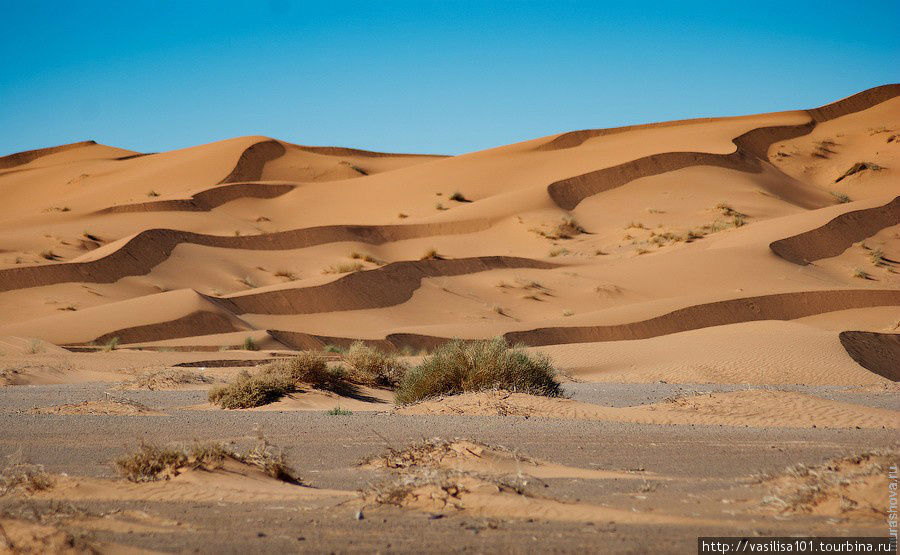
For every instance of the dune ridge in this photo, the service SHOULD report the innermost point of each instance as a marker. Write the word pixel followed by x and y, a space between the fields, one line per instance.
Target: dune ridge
pixel 24 157
pixel 205 200
pixel 780 306
pixel 749 155
pixel 139 254
pixel 837 235
pixel 250 164
pixel 877 352
pixel 389 285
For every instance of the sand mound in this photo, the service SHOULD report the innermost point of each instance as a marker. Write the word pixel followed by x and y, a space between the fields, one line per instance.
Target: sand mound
pixel 754 408
pixel 107 407
pixel 849 488
pixel 838 234
pixel 464 493
pixel 234 482
pixel 878 352
pixel 469 456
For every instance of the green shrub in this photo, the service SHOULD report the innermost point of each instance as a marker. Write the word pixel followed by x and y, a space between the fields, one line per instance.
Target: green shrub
pixel 461 366
pixel 249 344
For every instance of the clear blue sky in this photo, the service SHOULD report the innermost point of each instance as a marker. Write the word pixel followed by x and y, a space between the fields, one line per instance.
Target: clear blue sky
pixel 446 77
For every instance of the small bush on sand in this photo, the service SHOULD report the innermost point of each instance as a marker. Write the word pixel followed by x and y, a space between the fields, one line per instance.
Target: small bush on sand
pixel 371 366
pixel 166 379
pixel 276 380
pixel 460 366
pixel 24 477
pixel 252 390
pixel 338 411
pixel 249 344
pixel 432 254
pixel 459 197
pixel 345 268
pixel 111 345
pixel 305 368
pixel 150 462
pixel 842 198
pixel 859 273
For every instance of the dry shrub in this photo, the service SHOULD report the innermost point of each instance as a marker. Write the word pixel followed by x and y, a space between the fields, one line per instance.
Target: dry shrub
pixel 150 462
pixel 169 377
pixel 368 365
pixel 276 380
pixel 252 390
pixel 462 366
pixel 25 477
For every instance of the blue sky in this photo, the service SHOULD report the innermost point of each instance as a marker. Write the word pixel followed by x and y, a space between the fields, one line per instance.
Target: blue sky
pixel 446 77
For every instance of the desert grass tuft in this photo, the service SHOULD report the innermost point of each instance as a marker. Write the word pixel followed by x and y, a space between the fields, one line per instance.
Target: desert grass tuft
pixel 461 366
pixel 338 411
pixel 431 254
pixel 345 268
pixel 250 344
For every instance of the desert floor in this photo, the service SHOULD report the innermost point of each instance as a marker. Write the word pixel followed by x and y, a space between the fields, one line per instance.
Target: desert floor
pixel 721 298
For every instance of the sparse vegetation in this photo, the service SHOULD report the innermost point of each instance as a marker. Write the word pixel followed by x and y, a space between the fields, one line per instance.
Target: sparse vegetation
pixel 166 378
pixel 568 312
pixel 50 255
pixel 458 197
pixel 338 411
pixel 402 216
pixel 151 462
pixel 250 344
pixel 877 256
pixel 431 254
pixel 252 390
pixel 248 281
pixel 559 252
pixel 276 380
pixel 152 193
pixel 91 237
pixel 366 258
pixel 286 274
pixel 439 206
pixel 368 365
pixel 344 268
pixel 110 345
pixel 565 229
pixel 860 273
pixel 25 477
pixel 461 366
pixel 842 198
pixel 333 349
pixel 859 167
pixel 35 346
pixel 635 225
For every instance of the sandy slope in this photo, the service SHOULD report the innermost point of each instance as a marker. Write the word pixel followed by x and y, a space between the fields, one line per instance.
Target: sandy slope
pixel 300 246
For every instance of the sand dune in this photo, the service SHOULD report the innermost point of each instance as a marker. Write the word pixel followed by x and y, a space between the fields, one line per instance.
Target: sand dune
pixel 838 234
pixel 878 352
pixel 207 244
